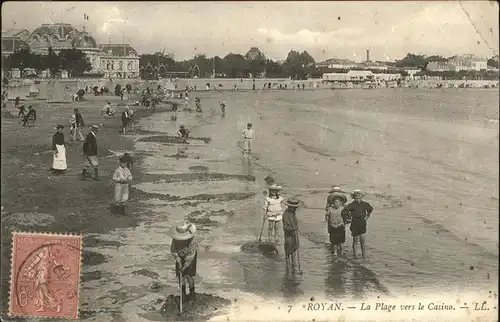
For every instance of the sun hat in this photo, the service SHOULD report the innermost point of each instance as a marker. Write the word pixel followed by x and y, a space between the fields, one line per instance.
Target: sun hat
pixel 249 124
pixel 182 125
pixel 340 195
pixel 59 126
pixel 95 127
pixel 292 202
pixel 184 231
pixel 357 192
pixel 274 187
pixel 336 189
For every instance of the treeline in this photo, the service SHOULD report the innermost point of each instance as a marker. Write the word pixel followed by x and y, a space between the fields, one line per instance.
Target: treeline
pixel 297 65
pixel 72 60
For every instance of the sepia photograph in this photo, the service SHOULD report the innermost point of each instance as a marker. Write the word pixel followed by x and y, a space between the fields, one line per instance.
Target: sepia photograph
pixel 250 161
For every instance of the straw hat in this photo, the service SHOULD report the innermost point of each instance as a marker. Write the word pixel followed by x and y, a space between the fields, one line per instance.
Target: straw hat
pixel 182 126
pixel 184 232
pixel 338 195
pixel 292 202
pixel 95 127
pixel 336 189
pixel 275 187
pixel 357 192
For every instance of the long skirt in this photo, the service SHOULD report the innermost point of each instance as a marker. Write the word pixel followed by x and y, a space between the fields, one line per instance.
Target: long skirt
pixel 121 193
pixel 337 235
pixel 247 144
pixel 59 161
pixel 291 241
pixel 190 271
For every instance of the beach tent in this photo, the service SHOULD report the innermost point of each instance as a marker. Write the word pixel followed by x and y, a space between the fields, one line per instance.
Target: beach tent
pixel 57 92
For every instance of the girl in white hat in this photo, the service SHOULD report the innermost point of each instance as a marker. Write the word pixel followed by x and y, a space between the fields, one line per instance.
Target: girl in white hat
pixel 274 212
pixel 184 249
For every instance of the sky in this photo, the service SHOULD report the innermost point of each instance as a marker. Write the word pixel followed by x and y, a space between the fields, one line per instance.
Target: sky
pixel 330 29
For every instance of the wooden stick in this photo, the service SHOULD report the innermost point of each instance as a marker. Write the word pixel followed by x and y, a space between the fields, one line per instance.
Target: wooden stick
pixel 181 286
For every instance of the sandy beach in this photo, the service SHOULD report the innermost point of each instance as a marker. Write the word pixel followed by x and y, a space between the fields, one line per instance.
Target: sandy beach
pixel 427 161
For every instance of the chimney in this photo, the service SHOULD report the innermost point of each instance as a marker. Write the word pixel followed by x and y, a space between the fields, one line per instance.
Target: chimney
pixel 367 55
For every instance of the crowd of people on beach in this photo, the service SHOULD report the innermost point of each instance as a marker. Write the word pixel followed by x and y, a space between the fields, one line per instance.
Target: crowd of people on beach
pixel 277 210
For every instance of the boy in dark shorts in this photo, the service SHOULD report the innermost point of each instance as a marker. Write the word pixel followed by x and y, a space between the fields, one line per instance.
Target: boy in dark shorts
pixel 358 212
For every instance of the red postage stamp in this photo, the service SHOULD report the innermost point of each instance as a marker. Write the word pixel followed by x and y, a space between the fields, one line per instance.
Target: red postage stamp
pixel 45 275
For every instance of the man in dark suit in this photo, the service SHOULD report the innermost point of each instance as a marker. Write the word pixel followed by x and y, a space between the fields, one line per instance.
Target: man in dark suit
pixel 90 152
pixel 31 114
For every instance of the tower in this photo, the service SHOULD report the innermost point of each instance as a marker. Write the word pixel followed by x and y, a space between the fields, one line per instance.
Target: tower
pixel 367 55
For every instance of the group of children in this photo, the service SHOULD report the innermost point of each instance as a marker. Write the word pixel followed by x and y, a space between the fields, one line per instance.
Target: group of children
pixel 338 215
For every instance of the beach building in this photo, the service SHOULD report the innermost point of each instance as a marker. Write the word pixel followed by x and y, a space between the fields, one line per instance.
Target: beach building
pixel 336 63
pixel 467 62
pixel 59 36
pixel 118 61
pixel 438 66
pixel 354 76
pixel 14 39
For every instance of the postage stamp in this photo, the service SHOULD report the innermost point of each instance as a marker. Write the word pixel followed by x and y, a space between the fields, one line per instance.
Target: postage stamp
pixel 45 275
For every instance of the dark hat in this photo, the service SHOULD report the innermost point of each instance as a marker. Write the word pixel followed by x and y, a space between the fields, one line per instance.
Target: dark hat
pixel 292 202
pixel 59 126
pixel 182 126
pixel 122 159
pixel 249 124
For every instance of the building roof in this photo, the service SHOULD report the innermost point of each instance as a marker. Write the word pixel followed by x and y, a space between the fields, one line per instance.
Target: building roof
pixel 61 35
pixel 338 61
pixel 119 50
pixel 253 52
pixel 12 32
pixel 359 73
pixel 11 44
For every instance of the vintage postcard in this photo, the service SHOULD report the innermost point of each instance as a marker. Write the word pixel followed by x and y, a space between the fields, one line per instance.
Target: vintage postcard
pixel 250 160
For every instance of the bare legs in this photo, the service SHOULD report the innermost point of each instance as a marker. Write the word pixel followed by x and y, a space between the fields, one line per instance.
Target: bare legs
pixel 361 239
pixel 273 231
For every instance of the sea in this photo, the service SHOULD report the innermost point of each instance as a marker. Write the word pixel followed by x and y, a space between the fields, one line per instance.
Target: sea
pixel 427 160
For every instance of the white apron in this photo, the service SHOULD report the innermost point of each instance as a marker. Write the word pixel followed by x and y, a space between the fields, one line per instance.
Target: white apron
pixel 247 144
pixel 59 162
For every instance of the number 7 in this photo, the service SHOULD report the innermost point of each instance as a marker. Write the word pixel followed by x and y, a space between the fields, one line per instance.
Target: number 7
pixel 289 308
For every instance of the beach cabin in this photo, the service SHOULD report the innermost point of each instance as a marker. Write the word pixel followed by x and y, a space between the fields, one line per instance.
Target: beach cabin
pixel 335 77
pixel 359 76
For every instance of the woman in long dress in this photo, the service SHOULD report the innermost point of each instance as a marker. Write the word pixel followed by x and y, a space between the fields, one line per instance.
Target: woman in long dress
pixel 59 151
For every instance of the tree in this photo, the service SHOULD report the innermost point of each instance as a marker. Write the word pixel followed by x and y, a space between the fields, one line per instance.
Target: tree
pixel 21 59
pixel 411 60
pixel 493 62
pixel 74 61
pixel 52 62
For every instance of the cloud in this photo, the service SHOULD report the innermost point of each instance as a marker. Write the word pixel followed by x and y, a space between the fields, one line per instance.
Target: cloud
pixel 307 37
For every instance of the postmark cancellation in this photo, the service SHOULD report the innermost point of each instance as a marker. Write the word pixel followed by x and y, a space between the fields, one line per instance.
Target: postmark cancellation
pixel 45 275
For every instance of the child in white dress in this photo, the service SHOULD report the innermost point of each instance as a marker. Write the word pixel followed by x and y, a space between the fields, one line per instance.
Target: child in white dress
pixel 274 212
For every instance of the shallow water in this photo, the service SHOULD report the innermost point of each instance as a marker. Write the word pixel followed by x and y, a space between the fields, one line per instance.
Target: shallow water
pixel 427 159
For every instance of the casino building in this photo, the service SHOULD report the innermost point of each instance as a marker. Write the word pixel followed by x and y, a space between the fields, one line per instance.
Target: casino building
pixel 114 60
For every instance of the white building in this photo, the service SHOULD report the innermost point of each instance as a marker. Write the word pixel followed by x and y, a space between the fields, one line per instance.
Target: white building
pixel 438 66
pixel 118 61
pixel 468 62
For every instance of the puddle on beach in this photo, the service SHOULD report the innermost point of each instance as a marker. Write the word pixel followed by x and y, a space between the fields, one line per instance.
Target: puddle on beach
pixel 188 189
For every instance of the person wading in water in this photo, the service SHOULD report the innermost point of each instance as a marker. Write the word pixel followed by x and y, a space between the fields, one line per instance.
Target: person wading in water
pixel 336 222
pixel 272 207
pixel 291 229
pixel 248 136
pixel 184 249
pixel 358 212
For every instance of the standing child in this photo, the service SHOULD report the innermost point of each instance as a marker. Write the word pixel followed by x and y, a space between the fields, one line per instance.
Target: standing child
pixel 336 222
pixel 122 176
pixel 291 232
pixel 272 207
pixel 358 211
pixel 72 125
